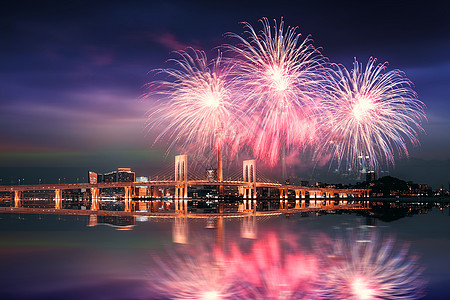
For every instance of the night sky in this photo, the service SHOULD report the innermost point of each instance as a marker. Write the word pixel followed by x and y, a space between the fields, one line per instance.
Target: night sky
pixel 72 73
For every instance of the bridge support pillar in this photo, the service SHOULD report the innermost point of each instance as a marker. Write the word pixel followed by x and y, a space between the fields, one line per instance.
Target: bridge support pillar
pixel 247 206
pixel 281 198
pixel 58 199
pixel 297 197
pixel 319 197
pixel 128 198
pixel 95 199
pixel 17 199
pixel 312 199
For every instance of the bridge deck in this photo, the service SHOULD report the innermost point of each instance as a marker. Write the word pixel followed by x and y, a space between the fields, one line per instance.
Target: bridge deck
pixel 75 186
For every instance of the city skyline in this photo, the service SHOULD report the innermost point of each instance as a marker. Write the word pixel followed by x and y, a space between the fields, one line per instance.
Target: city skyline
pixel 74 73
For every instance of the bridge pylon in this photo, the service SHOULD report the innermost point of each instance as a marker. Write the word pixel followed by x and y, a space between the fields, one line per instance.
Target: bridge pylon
pixel 181 174
pixel 249 189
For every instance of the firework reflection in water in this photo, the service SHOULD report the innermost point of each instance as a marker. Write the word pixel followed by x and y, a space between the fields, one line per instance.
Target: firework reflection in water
pixel 194 273
pixel 274 268
pixel 360 265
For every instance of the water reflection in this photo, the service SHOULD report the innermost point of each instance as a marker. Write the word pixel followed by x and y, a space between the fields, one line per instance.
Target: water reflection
pixel 359 264
pixel 229 257
pixel 118 222
pixel 248 227
pixel 180 230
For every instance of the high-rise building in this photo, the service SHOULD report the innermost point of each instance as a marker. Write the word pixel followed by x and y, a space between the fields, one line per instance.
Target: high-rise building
pixel 365 171
pixel 371 176
pixel 121 175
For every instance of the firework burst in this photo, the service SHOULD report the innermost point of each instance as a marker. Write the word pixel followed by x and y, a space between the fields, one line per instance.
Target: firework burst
pixel 278 75
pixel 363 267
pixel 370 112
pixel 196 107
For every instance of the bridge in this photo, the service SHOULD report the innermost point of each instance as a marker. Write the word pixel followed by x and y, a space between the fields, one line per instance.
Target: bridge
pixel 247 187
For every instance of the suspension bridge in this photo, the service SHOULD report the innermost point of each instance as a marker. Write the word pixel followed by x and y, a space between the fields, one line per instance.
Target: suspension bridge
pixel 175 189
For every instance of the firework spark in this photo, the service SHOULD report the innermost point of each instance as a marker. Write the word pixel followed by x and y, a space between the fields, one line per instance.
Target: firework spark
pixel 371 112
pixel 362 267
pixel 196 108
pixel 278 77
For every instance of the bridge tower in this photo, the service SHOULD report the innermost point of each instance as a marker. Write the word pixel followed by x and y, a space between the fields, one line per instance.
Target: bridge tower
pixel 58 198
pixel 181 183
pixel 17 199
pixel 249 177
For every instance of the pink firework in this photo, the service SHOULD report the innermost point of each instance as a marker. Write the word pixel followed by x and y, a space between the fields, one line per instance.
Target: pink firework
pixel 196 106
pixel 279 77
pixel 370 113
pixel 363 267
